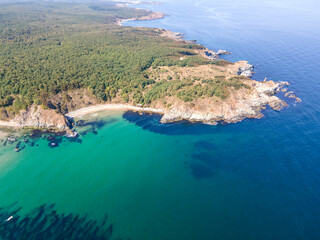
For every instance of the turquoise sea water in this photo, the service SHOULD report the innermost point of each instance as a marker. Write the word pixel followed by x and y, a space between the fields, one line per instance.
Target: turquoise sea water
pixel 128 176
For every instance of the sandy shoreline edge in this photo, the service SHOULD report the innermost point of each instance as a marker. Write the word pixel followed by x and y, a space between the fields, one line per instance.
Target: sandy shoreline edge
pixel 103 107
pixel 90 110
pixel 10 124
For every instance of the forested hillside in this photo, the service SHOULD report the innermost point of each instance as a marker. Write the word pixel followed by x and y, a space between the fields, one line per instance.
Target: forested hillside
pixel 46 48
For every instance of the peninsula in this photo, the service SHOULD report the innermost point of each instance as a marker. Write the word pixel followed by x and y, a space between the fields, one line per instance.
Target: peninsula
pixel 64 60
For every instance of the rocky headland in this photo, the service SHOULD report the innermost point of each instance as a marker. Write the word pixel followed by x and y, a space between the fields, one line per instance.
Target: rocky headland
pixel 150 16
pixel 38 117
pixel 245 102
pixel 239 105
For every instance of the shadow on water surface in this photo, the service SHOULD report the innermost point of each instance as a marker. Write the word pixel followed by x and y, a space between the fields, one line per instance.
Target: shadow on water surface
pixel 92 126
pixel 151 122
pixel 45 223
pixel 203 162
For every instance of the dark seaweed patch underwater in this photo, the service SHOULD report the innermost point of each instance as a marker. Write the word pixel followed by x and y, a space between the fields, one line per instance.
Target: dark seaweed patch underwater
pixel 54 139
pixel 46 223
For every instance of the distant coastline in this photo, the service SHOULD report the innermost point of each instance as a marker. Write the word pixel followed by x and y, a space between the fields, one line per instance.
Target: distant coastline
pixel 151 16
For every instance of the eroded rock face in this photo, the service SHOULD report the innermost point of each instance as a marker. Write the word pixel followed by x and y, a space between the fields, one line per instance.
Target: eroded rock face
pixel 172 35
pixel 151 16
pixel 246 70
pixel 36 116
pixel 245 103
pixel 212 55
pixel 242 68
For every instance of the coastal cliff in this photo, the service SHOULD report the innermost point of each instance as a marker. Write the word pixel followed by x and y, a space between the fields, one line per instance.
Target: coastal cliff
pixel 242 97
pixel 36 116
pixel 137 69
pixel 239 105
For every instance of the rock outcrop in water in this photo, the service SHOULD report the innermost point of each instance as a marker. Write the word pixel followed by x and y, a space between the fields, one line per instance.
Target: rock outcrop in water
pixel 210 54
pixel 246 70
pixel 223 52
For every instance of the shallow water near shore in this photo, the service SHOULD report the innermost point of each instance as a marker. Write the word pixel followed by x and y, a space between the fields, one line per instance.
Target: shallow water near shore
pixel 135 178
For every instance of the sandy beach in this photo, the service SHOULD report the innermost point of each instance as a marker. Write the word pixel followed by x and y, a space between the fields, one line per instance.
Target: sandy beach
pixel 97 108
pixel 8 124
pixel 89 110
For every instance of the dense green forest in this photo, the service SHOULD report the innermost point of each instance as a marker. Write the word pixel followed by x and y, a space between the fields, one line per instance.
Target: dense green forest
pixel 46 48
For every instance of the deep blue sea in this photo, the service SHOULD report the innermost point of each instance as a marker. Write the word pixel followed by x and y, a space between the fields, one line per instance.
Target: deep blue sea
pixel 258 179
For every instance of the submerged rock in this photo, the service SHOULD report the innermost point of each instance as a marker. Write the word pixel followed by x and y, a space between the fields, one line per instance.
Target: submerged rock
pixel 289 93
pixel 72 134
pixel 11 139
pixel 284 84
pixel 53 145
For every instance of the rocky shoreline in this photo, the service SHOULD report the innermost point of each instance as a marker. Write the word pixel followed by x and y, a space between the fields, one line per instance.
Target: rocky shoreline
pixel 37 117
pixel 150 16
pixel 235 109
pixel 246 103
